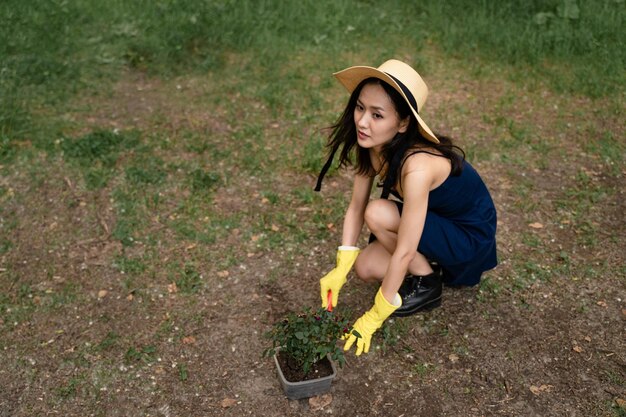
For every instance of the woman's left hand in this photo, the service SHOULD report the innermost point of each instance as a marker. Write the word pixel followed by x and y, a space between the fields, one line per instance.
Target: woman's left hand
pixel 369 322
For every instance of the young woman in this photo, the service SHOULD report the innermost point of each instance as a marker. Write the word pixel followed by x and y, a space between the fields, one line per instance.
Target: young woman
pixel 440 225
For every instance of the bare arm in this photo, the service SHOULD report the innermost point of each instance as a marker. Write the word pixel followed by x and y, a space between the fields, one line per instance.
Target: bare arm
pixel 418 177
pixel 353 221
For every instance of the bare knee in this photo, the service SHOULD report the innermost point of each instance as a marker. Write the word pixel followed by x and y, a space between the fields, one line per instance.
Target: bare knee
pixel 380 215
pixel 367 270
pixel 361 270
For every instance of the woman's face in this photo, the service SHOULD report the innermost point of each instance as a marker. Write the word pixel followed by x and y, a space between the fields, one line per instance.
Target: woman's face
pixel 376 118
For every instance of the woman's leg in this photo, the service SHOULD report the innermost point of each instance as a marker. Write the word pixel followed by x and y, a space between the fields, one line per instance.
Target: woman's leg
pixel 371 264
pixel 383 219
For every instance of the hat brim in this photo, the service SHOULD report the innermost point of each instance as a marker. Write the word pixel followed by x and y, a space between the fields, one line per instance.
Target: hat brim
pixel 351 77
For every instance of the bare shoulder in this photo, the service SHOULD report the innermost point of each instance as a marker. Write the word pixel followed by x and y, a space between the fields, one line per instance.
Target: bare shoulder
pixel 428 167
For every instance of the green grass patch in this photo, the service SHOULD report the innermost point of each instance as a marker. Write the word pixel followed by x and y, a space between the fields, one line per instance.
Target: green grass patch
pixel 8 149
pixel 68 294
pixel 130 216
pixel 101 146
pixel 189 280
pixel 14 312
pixel 611 151
pixel 576 46
pixel 110 340
pixel 202 180
pixel 70 389
pixel 143 354
pixel 129 265
pixel 311 159
pixel 580 202
pixel 183 373
pixel 146 171
pixel 423 369
pixel 97 153
pixel 391 332
pixel 82 46
pixel 489 288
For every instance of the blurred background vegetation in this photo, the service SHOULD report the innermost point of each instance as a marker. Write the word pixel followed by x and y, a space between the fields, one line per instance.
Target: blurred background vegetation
pixel 51 50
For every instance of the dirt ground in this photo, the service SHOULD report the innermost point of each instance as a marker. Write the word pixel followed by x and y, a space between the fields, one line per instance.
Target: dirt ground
pixel 544 335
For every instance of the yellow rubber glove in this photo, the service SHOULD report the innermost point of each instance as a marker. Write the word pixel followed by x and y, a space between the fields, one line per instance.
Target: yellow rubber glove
pixel 334 280
pixel 369 322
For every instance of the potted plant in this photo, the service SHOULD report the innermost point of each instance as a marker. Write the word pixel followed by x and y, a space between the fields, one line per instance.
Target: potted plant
pixel 304 347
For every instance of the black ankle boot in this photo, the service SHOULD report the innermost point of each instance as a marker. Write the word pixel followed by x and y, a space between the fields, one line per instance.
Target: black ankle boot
pixel 419 293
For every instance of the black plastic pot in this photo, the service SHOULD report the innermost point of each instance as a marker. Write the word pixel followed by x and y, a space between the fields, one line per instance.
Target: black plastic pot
pixel 305 389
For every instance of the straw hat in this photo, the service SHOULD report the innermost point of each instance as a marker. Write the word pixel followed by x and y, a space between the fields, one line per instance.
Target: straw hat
pixel 404 79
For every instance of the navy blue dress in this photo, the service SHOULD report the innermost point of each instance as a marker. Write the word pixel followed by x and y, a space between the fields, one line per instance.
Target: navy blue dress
pixel 460 229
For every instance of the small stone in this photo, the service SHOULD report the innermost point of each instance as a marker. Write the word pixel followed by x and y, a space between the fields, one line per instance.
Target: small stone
pixel 189 340
pixel 540 389
pixel 320 401
pixel 228 402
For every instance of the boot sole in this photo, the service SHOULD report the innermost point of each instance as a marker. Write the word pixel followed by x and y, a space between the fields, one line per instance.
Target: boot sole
pixel 424 307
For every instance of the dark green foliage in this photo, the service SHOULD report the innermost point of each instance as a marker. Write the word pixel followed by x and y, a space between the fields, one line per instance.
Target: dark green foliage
pixel 128 265
pixel 110 340
pixel 202 180
pixel 97 153
pixel 183 374
pixel 51 50
pixel 7 149
pixel 143 354
pixel 100 146
pixel 189 281
pixel 70 389
pixel 577 45
pixel 308 337
pixel 146 171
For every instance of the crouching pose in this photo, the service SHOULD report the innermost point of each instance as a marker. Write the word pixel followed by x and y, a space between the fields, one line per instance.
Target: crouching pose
pixel 435 222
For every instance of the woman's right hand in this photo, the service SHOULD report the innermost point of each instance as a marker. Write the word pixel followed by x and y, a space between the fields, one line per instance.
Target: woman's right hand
pixel 334 280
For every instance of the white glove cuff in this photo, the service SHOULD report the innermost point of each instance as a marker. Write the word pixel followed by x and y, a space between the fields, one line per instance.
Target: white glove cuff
pixel 348 248
pixel 397 301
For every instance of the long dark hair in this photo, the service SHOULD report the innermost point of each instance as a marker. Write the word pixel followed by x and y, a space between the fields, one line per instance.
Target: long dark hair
pixel 395 152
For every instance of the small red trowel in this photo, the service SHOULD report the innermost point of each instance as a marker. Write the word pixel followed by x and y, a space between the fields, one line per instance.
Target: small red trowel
pixel 329 299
